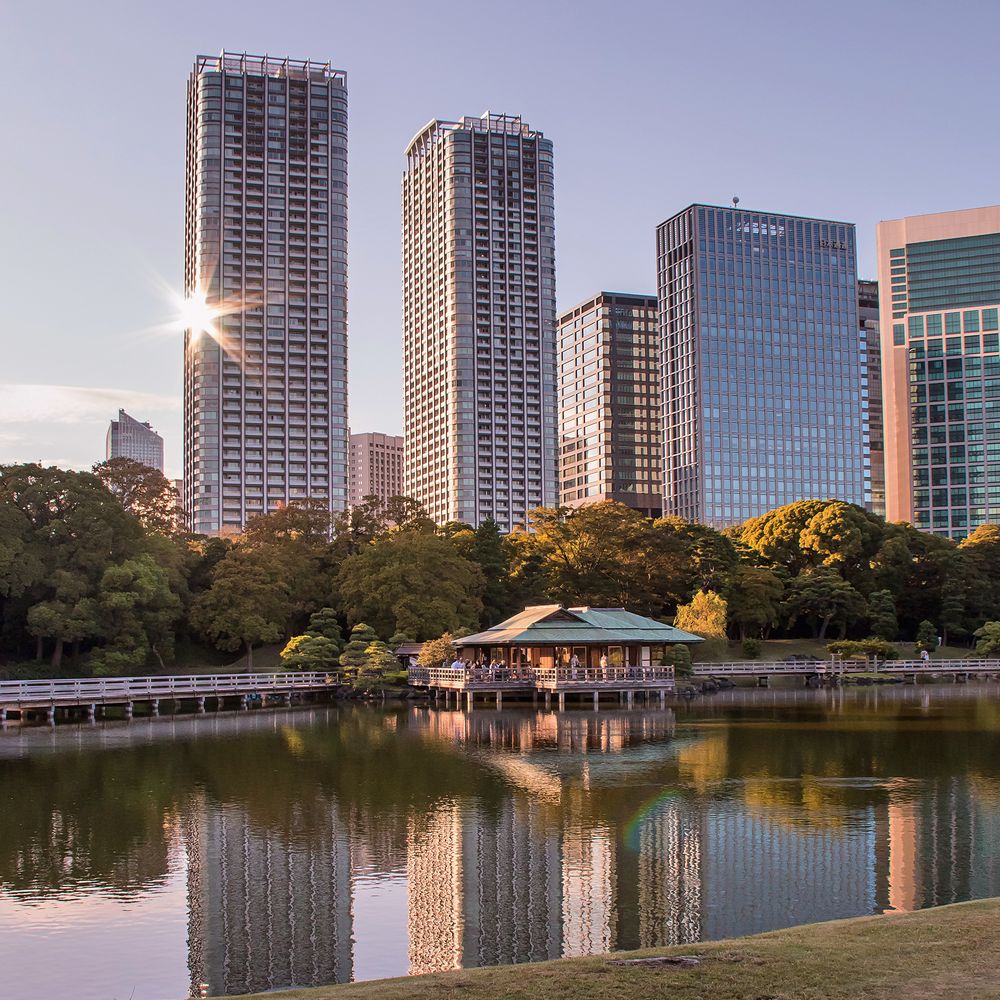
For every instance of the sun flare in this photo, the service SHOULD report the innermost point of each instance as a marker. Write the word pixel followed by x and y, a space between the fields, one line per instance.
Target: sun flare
pixel 197 315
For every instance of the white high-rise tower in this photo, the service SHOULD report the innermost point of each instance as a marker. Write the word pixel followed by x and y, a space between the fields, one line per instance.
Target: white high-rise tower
pixel 265 362
pixel 479 320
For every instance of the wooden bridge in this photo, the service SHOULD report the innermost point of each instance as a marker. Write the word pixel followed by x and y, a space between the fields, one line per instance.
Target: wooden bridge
pixel 89 694
pixel 907 669
pixel 621 682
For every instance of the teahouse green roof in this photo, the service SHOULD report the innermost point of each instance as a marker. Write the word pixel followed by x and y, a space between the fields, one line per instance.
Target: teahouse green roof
pixel 555 625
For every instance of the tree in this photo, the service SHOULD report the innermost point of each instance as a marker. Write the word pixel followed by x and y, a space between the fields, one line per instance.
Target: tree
pixel 705 615
pixel 310 652
pixel 927 636
pixel 435 652
pixel 487 548
pixel 988 639
pixel 680 656
pixel 307 521
pixel 411 581
pixel 142 491
pixel 378 661
pixel 882 615
pixel 137 611
pixel 953 619
pixel 753 596
pixel 325 624
pixel 352 659
pixel 75 530
pixel 248 603
pixel 821 596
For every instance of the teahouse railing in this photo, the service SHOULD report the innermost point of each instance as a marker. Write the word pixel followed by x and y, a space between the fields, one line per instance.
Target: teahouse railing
pixel 610 676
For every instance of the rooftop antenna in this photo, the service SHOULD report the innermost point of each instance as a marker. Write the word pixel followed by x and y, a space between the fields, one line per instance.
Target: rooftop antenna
pixel 736 200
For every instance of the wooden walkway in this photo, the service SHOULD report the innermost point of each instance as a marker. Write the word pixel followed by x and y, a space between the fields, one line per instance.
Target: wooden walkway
pixel 837 668
pixel 90 693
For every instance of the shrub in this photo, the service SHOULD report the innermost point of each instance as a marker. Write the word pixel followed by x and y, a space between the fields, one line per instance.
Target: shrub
pixel 988 639
pixel 882 649
pixel 680 656
pixel 751 648
pixel 927 636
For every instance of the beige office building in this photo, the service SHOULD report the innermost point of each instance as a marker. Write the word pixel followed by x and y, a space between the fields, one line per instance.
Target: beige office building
pixel 939 278
pixel 479 320
pixel 610 422
pixel 375 467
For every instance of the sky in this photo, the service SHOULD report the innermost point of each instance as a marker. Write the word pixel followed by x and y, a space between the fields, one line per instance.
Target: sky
pixel 850 111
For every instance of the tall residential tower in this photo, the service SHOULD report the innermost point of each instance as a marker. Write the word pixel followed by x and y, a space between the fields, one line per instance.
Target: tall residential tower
pixel 265 368
pixel 479 320
pixel 610 423
pixel 761 363
pixel 131 438
pixel 940 329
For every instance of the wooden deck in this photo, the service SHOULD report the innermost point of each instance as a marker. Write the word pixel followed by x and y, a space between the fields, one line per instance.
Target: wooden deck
pixel 592 683
pixel 88 693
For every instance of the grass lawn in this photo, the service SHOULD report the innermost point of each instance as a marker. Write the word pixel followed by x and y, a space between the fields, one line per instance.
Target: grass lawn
pixel 935 954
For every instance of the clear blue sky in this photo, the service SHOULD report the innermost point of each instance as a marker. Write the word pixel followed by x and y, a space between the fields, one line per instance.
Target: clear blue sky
pixel 854 111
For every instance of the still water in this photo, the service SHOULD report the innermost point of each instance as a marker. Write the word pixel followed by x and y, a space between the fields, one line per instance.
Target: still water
pixel 258 850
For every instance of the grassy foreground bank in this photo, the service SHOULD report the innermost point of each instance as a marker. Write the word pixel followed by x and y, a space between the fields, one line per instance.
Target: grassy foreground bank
pixel 951 951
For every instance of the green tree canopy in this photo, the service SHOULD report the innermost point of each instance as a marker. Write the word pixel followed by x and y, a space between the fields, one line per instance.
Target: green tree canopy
pixel 882 615
pixel 325 624
pixel 143 491
pixel 988 639
pixel 353 655
pixel 412 581
pixel 927 636
pixel 822 597
pixel 248 603
pixel 310 652
pixel 753 597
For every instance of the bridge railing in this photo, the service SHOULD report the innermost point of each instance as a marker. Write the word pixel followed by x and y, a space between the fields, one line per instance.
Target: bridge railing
pixel 102 689
pixel 756 668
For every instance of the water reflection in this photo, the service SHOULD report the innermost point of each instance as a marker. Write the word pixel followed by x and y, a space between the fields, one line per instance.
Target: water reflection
pixel 520 835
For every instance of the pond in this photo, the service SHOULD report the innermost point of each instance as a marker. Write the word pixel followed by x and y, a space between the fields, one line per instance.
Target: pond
pixel 256 850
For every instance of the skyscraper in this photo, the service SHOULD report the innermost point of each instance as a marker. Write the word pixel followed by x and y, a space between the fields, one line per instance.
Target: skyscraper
pixel 761 362
pixel 610 423
pixel 871 396
pixel 940 280
pixel 265 366
pixel 479 331
pixel 131 438
pixel 375 467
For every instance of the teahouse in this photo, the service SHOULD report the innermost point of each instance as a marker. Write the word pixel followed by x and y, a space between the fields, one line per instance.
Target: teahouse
pixel 551 636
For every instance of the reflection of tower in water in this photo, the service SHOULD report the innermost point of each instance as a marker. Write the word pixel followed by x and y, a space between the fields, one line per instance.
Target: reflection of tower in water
pixel 483 886
pixel 267 909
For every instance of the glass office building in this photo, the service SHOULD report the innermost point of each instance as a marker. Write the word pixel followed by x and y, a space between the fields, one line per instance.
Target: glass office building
pixel 940 329
pixel 610 426
pixel 760 364
pixel 265 387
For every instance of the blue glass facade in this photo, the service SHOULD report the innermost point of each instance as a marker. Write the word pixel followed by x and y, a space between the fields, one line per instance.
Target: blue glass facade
pixel 761 363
